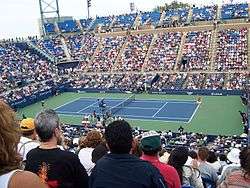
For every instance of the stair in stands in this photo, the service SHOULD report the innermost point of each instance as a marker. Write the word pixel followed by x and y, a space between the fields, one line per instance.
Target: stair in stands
pixel 149 51
pixel 57 30
pixel 180 51
pixel 248 47
pixel 213 48
pixel 190 14
pixel 43 53
pixel 137 21
pixel 125 44
pixel 112 23
pixel 78 23
pixel 65 49
pixel 218 16
pixel 162 17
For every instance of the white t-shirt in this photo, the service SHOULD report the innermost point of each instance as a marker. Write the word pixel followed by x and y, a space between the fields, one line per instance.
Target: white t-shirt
pixel 5 178
pixel 25 145
pixel 85 156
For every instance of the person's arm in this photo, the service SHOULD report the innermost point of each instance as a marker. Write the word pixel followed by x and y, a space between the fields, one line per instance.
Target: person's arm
pixel 26 179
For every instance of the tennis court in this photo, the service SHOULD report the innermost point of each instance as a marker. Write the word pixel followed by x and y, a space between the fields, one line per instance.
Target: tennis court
pixel 164 110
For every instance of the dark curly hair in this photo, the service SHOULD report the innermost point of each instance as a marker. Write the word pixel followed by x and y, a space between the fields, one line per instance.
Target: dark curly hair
pixel 178 157
pixel 118 136
pixel 245 160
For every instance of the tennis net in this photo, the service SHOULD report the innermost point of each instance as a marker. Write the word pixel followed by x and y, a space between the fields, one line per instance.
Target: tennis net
pixel 122 104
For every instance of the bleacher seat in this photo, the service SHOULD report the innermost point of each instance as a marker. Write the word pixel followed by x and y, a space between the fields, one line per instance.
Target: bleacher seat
pixel 68 26
pixel 180 14
pixel 234 11
pixel 85 23
pixel 204 13
pixel 150 18
pixel 49 28
pixel 102 21
pixel 124 20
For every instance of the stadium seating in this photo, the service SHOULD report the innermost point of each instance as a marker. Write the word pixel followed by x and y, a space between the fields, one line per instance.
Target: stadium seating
pixel 106 56
pixel 204 13
pixel 195 81
pixel 52 46
pixel 232 50
pixel 68 26
pixel 214 81
pixel 164 52
pixel 49 28
pixel 101 21
pixel 150 18
pixel 234 11
pixel 196 50
pixel 124 21
pixel 85 23
pixel 134 54
pixel 179 14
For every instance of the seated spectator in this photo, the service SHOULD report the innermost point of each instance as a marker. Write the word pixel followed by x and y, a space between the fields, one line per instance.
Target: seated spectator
pixel 28 139
pixel 207 171
pixel 151 146
pixel 212 160
pixel 241 177
pixel 93 139
pixel 10 175
pixel 121 169
pixel 233 158
pixel 54 166
pixel 189 176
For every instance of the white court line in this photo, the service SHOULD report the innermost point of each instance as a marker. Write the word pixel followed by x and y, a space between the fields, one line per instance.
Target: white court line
pixel 67 103
pixel 150 117
pixel 88 106
pixel 190 119
pixel 160 109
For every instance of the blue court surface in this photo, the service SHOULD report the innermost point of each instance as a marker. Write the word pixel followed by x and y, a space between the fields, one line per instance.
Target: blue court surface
pixel 163 110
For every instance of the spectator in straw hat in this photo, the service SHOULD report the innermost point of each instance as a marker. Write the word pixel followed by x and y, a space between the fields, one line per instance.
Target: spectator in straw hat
pixel 151 146
pixel 28 139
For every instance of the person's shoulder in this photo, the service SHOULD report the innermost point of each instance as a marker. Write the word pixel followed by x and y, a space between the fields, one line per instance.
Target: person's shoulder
pixel 67 155
pixel 26 178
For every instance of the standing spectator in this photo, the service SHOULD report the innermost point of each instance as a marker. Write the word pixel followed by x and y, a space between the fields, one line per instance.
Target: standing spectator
pixel 28 138
pixel 151 146
pixel 10 175
pixel 55 167
pixel 188 175
pixel 121 169
pixel 207 171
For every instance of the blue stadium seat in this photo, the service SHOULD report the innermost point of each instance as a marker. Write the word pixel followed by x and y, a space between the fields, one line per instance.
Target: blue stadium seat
pixel 150 17
pixel 49 28
pixel 125 20
pixel 86 23
pixel 204 13
pixel 234 11
pixel 102 21
pixel 181 14
pixel 68 26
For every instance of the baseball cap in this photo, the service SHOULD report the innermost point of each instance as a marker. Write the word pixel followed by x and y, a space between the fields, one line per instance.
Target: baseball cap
pixel 27 124
pixel 150 141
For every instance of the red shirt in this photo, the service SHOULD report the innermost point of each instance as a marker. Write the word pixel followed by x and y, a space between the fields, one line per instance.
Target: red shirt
pixel 168 172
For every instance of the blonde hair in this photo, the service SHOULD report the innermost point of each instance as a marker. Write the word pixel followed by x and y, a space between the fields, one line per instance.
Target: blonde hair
pixel 9 138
